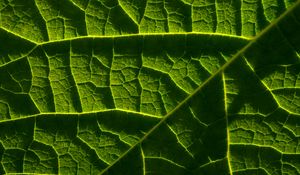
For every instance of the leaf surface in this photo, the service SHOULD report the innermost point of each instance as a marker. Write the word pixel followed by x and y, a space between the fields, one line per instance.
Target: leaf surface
pixel 149 87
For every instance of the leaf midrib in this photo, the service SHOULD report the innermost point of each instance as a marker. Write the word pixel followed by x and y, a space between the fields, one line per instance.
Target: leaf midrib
pixel 220 70
pixel 141 114
pixel 36 45
pixel 128 35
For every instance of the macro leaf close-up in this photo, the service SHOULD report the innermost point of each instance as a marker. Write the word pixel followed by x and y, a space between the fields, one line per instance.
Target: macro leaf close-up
pixel 150 87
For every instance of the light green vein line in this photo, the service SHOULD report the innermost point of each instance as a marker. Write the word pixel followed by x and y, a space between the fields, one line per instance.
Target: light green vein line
pixel 148 34
pixel 129 35
pixel 211 162
pixel 179 141
pixel 128 14
pixel 285 87
pixel 17 35
pixel 167 160
pixel 38 8
pixel 82 113
pixel 264 146
pixel 124 36
pixel 227 130
pixel 271 91
pixel 234 58
pixel 22 57
pixel 143 160
pixel 77 6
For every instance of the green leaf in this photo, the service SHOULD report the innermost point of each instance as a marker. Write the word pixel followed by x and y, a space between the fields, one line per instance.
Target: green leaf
pixel 149 87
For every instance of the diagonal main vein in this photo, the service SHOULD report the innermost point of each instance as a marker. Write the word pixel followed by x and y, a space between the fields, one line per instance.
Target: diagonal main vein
pixel 228 63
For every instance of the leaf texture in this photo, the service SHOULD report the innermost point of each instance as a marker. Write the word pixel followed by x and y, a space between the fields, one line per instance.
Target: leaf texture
pixel 149 87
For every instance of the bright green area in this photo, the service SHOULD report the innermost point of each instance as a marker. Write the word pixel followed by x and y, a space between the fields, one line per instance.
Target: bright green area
pixel 140 87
